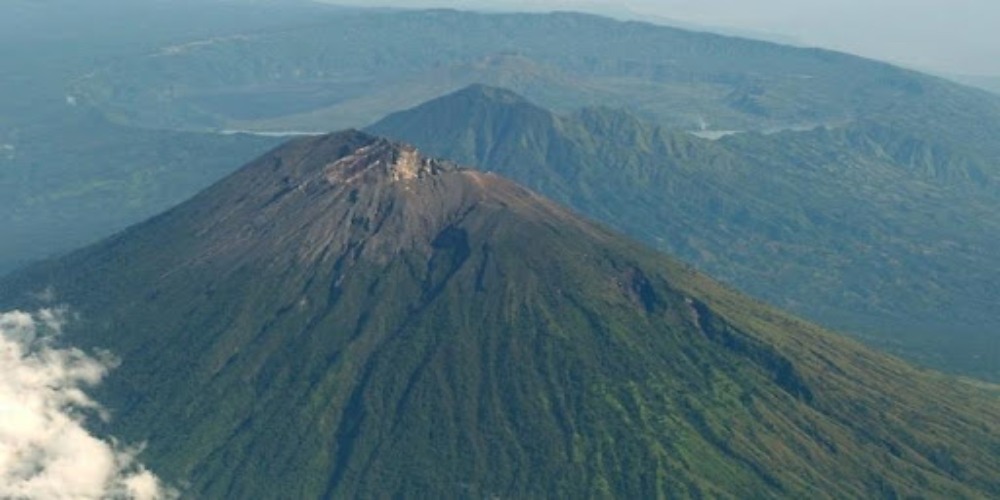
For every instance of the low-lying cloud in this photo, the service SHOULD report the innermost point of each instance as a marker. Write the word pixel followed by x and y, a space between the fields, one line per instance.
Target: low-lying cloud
pixel 45 450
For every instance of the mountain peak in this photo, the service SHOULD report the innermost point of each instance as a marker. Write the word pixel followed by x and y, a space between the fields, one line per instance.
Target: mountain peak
pixel 347 191
pixel 488 92
pixel 344 158
pixel 346 318
pixel 384 159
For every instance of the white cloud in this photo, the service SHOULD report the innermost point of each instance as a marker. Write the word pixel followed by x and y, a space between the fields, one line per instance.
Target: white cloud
pixel 45 450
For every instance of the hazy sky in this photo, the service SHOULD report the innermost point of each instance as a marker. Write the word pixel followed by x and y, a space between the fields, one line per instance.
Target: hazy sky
pixel 951 36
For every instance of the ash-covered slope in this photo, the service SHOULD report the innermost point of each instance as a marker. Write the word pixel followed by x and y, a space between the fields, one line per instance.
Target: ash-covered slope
pixel 344 317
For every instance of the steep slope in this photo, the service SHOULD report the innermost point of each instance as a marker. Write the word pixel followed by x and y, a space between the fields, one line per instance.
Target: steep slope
pixel 345 317
pixel 865 227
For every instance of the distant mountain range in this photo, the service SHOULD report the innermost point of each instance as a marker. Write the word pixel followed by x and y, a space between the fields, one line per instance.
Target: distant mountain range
pixel 990 83
pixel 866 227
pixel 344 317
pixel 349 68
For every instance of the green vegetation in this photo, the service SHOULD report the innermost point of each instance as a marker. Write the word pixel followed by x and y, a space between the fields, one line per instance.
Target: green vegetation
pixel 882 225
pixel 349 68
pixel 315 328
pixel 865 227
pixel 305 329
pixel 67 184
pixel 67 175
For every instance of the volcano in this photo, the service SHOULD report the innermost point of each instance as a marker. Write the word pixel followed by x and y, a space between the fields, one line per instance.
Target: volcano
pixel 345 317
